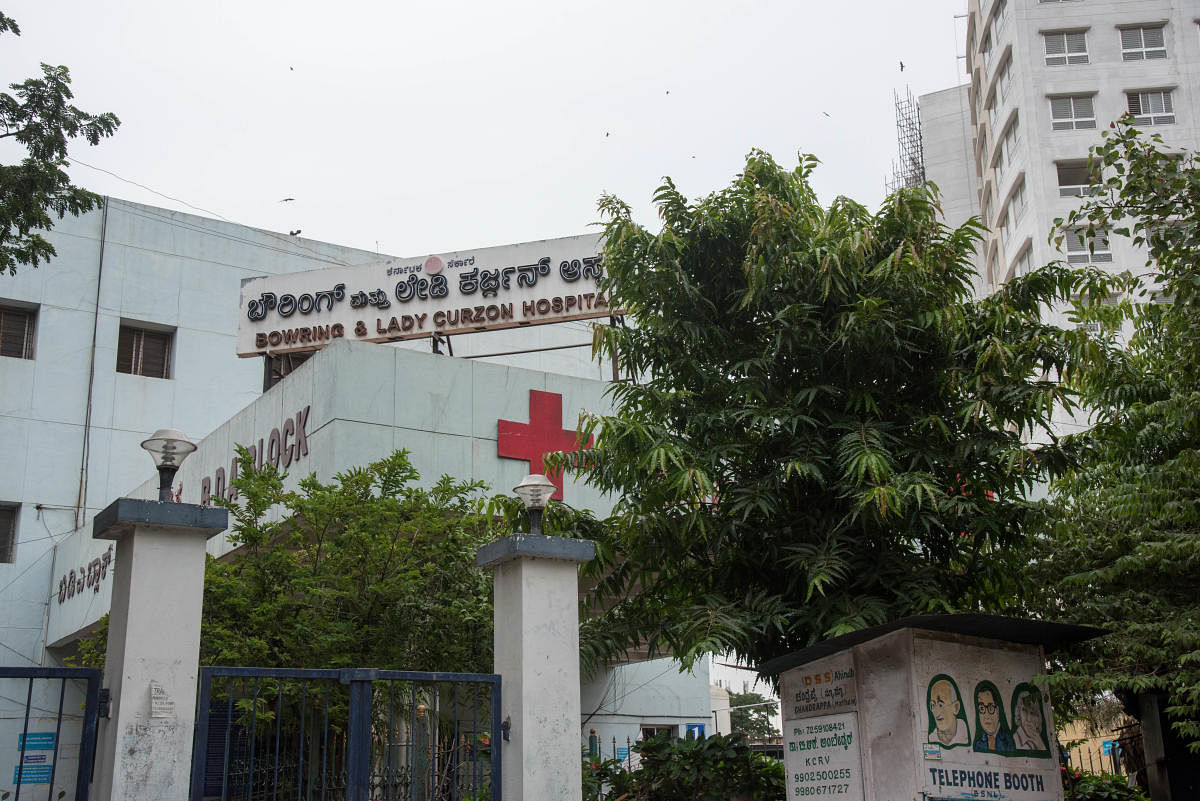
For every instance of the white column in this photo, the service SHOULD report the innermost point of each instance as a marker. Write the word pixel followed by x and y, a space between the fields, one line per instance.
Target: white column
pixel 144 751
pixel 537 657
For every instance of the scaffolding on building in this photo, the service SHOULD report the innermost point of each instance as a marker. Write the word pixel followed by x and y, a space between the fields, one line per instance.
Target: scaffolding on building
pixel 909 172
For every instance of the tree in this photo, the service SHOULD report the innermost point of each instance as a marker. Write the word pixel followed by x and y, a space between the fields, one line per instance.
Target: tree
pixel 366 571
pixel 39 116
pixel 1124 546
pixel 750 714
pixel 822 431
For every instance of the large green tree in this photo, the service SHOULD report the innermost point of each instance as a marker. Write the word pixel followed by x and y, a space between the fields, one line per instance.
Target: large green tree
pixel 368 570
pixel 750 714
pixel 39 116
pixel 821 430
pixel 1125 546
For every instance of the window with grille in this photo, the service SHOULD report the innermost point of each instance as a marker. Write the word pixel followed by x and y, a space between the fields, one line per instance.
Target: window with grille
pixel 1074 112
pixel 1065 47
pixel 1075 180
pixel 1151 108
pixel 144 352
pixel 1084 249
pixel 8 534
pixel 1139 44
pixel 16 332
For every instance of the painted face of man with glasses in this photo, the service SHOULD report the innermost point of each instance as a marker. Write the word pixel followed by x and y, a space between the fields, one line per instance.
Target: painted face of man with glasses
pixel 991 734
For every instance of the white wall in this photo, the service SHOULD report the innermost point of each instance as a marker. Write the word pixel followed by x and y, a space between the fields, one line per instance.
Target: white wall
pixel 617 704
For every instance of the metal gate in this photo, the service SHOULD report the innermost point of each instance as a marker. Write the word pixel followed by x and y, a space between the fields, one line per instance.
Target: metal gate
pixel 51 713
pixel 346 735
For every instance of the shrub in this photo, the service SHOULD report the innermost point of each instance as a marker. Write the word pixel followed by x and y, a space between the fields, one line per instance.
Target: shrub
pixel 1086 787
pixel 715 768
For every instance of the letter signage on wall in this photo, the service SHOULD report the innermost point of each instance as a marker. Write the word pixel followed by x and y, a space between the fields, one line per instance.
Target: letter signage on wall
pixel 550 281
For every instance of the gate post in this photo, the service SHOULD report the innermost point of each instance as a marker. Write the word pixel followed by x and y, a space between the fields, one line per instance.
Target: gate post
pixel 145 747
pixel 537 657
pixel 358 735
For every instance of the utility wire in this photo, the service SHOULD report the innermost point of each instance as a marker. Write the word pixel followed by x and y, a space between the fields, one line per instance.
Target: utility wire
pixel 289 241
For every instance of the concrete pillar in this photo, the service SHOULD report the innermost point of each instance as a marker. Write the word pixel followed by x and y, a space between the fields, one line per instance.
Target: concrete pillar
pixel 145 746
pixel 537 657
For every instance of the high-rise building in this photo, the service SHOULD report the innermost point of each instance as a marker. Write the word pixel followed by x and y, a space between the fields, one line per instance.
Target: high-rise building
pixel 1044 78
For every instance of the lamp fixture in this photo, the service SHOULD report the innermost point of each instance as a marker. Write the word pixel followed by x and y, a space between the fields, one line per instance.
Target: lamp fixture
pixel 168 447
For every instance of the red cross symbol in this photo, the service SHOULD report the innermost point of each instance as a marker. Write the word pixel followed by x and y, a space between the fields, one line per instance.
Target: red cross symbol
pixel 543 434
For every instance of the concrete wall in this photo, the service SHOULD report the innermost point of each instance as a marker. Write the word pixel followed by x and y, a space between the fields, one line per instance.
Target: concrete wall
pixel 162 268
pixel 947 135
pixel 618 704
pixel 363 401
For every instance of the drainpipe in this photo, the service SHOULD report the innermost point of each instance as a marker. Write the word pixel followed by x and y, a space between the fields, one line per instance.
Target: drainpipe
pixel 81 498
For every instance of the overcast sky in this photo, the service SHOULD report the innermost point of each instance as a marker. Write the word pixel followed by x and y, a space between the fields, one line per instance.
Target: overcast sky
pixel 417 128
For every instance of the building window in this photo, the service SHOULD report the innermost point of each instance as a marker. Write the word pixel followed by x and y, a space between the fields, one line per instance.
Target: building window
pixel 1065 47
pixel 1006 228
pixel 1074 112
pixel 1006 150
pixel 8 534
pixel 1001 92
pixel 1000 15
pixel 1024 264
pixel 1084 249
pixel 1151 108
pixel 985 50
pixel 141 351
pixel 1075 179
pixel 1012 214
pixel 1017 203
pixel 16 332
pixel 1139 44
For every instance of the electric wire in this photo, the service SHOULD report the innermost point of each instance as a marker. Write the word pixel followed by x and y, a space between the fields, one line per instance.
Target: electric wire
pixel 291 242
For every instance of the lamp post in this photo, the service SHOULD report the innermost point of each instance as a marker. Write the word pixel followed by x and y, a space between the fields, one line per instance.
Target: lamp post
pixel 168 447
pixel 535 490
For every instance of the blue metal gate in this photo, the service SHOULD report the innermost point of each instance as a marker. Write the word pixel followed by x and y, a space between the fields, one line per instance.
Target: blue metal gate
pixel 346 735
pixel 53 714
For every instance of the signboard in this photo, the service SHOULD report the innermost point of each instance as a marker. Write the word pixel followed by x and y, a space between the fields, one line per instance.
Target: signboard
pixel 162 705
pixel 550 281
pixel 985 730
pixel 822 754
pixel 37 741
pixel 823 758
pixel 32 774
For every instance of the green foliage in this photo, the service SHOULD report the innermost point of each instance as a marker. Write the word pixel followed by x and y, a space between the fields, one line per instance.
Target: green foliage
pixel 1086 787
pixel 750 714
pixel 1124 544
pixel 366 571
pixel 823 432
pixel 717 768
pixel 603 778
pixel 39 117
pixel 91 649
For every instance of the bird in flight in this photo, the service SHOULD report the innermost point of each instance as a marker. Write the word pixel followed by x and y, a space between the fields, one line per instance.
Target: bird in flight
pixel 902 66
pixel 286 199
